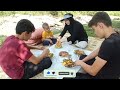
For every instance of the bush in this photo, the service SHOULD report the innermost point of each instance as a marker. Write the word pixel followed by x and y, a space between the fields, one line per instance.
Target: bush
pixel 54 13
pixel 7 13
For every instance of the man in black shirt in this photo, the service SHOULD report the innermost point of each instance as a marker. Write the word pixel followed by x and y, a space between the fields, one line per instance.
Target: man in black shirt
pixel 76 30
pixel 106 64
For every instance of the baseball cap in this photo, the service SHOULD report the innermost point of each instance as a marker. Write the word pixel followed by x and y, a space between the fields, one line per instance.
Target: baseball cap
pixel 66 16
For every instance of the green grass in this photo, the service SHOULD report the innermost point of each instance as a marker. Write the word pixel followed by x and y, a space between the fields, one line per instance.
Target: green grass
pixel 89 31
pixel 56 31
pixel 2 38
pixel 116 23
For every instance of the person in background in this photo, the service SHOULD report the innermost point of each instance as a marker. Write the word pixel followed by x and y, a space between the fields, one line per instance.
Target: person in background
pixel 78 35
pixel 47 35
pixel 16 59
pixel 36 37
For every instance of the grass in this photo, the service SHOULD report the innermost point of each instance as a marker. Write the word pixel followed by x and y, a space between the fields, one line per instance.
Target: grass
pixel 57 31
pixel 116 23
pixel 89 31
pixel 2 38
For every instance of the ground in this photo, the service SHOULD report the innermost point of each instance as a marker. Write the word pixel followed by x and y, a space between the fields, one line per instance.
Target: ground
pixel 93 43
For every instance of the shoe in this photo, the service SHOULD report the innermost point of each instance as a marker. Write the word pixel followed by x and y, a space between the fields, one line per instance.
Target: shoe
pixel 77 44
pixel 70 42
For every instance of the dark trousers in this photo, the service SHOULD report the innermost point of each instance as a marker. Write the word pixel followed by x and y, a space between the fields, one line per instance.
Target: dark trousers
pixel 32 69
pixel 70 39
pixel 90 62
pixel 47 43
pixel 82 75
pixel 85 76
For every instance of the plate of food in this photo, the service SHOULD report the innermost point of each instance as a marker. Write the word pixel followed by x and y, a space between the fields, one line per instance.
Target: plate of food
pixel 58 44
pixel 68 63
pixel 79 52
pixel 64 54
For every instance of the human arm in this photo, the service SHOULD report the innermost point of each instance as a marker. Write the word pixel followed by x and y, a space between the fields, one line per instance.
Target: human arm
pixel 24 53
pixel 36 47
pixel 36 60
pixel 94 68
pixel 63 32
pixel 91 56
pixel 35 38
pixel 104 55
pixel 48 40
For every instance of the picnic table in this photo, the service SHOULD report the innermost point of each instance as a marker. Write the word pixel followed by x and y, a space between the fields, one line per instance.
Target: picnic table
pixel 57 60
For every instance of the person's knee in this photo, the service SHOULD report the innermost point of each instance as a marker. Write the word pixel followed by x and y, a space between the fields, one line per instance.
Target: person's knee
pixel 82 44
pixel 69 39
pixel 82 57
pixel 54 40
pixel 46 43
pixel 48 62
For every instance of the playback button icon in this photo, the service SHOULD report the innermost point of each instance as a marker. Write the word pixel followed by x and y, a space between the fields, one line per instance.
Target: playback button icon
pixel 67 73
pixel 64 73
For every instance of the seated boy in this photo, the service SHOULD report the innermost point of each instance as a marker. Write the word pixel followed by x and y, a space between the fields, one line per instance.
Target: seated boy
pixel 16 59
pixel 104 62
pixel 47 36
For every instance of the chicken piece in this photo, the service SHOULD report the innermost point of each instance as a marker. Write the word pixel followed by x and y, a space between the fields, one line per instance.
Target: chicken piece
pixel 58 44
pixel 63 54
pixel 50 55
pixel 79 52
pixel 68 63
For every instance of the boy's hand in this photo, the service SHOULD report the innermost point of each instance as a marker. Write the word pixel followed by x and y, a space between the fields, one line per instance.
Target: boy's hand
pixel 51 37
pixel 50 41
pixel 77 62
pixel 45 53
pixel 42 48
pixel 58 39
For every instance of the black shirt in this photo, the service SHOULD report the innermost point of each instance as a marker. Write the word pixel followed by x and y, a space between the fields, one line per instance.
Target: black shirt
pixel 76 31
pixel 110 51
